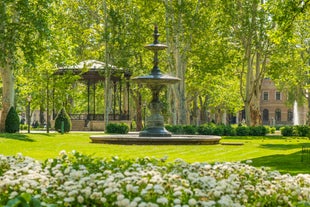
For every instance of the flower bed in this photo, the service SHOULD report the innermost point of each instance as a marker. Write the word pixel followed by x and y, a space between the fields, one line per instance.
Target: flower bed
pixel 78 180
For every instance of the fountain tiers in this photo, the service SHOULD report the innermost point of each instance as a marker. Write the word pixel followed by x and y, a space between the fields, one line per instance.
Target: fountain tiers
pixel 155 132
pixel 134 139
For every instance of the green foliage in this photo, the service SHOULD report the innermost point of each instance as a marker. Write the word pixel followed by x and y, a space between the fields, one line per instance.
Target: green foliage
pixel 114 128
pixel 189 129
pixel 23 200
pixel 302 130
pixel 287 131
pixel 206 129
pixel 12 121
pixel 299 130
pixel 63 121
pixel 181 129
pixel 242 131
pixel 175 129
pixel 258 131
pixel 23 126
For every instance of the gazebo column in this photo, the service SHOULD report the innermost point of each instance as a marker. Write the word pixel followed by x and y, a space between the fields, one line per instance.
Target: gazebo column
pixel 120 100
pixel 114 99
pixel 88 99
pixel 127 76
pixel 94 100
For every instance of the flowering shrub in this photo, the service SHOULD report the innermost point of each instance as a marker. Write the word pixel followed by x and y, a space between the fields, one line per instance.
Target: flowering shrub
pixel 78 180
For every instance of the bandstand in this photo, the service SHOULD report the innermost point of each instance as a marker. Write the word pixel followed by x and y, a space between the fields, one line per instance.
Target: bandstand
pixel 92 72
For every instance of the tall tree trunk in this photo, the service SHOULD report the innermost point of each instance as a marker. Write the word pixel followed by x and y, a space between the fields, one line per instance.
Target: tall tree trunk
pixel 7 94
pixel 137 98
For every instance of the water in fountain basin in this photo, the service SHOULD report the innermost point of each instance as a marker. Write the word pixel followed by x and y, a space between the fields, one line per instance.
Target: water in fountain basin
pixel 295 114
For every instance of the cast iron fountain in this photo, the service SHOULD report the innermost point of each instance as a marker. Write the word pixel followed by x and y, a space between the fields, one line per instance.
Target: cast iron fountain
pixel 155 132
pixel 155 81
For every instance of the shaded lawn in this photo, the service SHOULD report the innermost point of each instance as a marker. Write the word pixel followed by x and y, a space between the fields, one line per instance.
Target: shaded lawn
pixel 283 154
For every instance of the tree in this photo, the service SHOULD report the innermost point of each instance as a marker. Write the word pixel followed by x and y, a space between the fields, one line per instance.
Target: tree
pixel 23 27
pixel 258 29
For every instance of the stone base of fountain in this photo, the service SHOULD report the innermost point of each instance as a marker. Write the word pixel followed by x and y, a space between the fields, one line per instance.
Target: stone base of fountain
pixel 134 139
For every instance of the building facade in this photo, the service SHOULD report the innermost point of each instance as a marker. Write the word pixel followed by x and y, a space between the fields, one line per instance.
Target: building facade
pixel 276 111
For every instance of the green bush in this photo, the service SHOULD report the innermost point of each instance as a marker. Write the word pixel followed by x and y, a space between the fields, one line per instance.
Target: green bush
pixel 287 131
pixel 114 128
pixel 257 131
pixel 63 119
pixel 23 126
pixel 272 130
pixel 242 131
pixel 218 130
pixel 175 129
pixel 228 130
pixel 12 121
pixel 189 129
pixel 302 130
pixel 206 129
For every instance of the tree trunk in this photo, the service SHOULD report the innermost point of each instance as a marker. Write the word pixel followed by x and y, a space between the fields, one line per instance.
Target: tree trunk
pixel 138 102
pixel 7 94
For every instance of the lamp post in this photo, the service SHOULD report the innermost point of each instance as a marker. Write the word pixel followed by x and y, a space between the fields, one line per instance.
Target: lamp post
pixel 28 113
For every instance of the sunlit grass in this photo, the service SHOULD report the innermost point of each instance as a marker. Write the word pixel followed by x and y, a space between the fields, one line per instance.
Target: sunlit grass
pixel 283 154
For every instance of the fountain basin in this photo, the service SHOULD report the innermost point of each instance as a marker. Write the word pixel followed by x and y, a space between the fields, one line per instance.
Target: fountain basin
pixel 152 79
pixel 134 139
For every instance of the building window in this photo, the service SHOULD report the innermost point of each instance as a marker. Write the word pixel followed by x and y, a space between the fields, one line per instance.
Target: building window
pixel 266 96
pixel 278 115
pixel 278 96
pixel 289 115
pixel 265 115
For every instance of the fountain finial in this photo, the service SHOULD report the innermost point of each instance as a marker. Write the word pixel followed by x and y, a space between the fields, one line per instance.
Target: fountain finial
pixel 156 34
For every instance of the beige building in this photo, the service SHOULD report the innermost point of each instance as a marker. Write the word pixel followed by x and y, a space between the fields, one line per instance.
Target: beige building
pixel 274 108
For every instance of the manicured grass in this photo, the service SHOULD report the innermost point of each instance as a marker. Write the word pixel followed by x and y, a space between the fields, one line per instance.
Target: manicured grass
pixel 283 154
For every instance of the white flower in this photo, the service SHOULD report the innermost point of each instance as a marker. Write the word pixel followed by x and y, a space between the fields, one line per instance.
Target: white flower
pixel 176 201
pixel 162 200
pixel 123 202
pixel 63 152
pixel 248 161
pixel 103 200
pixel 13 195
pixel 69 199
pixel 225 200
pixel 80 199
pixel 192 202
pixel 217 194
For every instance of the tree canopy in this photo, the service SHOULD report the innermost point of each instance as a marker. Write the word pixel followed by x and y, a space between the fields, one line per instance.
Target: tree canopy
pixel 221 50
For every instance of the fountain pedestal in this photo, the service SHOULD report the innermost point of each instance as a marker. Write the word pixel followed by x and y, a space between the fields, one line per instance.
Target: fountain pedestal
pixel 155 123
pixel 155 81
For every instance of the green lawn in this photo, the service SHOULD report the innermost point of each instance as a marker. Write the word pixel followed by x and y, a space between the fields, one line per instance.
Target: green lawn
pixel 283 154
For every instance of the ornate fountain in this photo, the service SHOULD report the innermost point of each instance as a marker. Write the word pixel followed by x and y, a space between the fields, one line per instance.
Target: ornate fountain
pixel 155 132
pixel 155 81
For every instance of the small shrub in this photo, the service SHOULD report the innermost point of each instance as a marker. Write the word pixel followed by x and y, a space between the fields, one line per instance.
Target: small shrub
pixel 205 129
pixel 189 129
pixel 302 130
pixel 242 131
pixel 63 119
pixel 219 130
pixel 12 121
pixel 257 131
pixel 23 126
pixel 175 129
pixel 114 128
pixel 287 131
pixel 228 130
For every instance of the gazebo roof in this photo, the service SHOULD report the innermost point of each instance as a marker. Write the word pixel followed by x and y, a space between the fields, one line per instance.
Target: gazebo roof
pixel 93 70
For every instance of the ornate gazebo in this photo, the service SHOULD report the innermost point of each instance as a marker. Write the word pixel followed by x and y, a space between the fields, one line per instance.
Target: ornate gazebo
pixel 92 72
